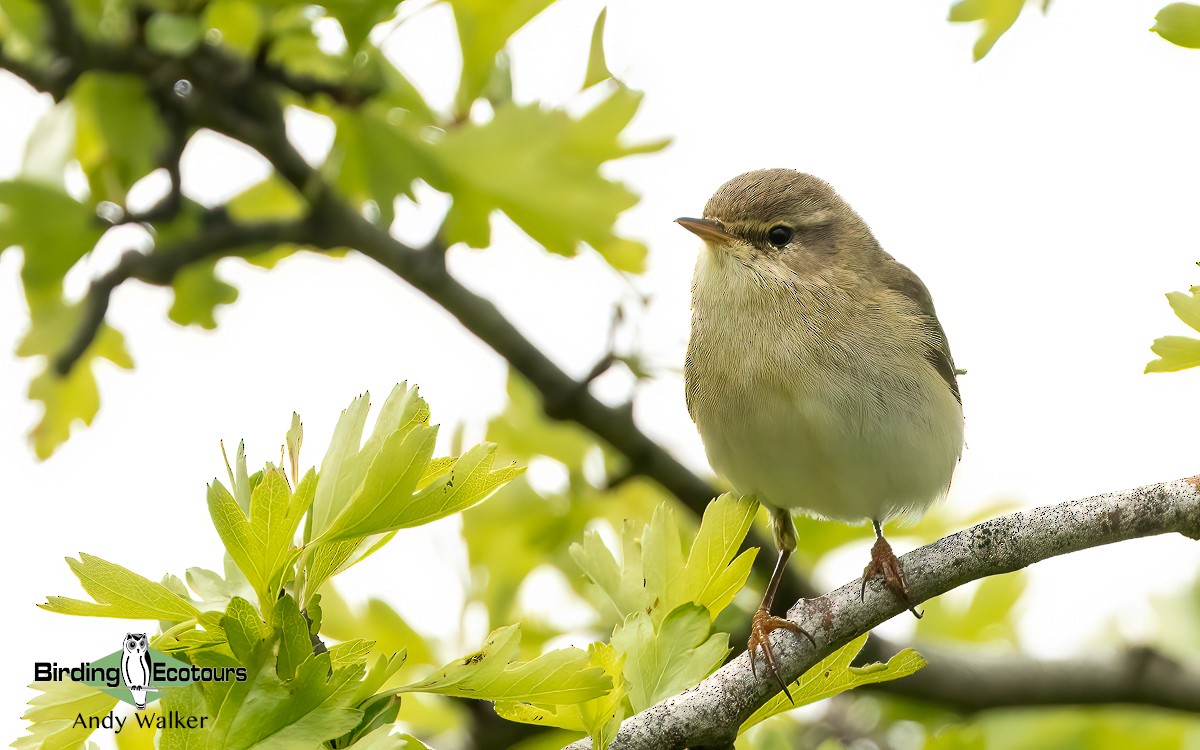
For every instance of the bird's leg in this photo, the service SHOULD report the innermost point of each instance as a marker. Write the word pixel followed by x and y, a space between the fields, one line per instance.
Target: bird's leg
pixel 764 622
pixel 884 563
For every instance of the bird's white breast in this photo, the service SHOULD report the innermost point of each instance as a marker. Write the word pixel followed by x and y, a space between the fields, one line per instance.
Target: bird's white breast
pixel 817 396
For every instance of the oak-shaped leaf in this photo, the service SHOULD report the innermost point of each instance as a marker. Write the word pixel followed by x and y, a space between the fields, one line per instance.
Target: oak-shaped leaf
pixel 833 675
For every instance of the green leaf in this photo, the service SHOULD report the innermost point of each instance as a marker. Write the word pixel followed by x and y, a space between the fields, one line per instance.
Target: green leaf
pixel 833 675
pixel 51 248
pixel 261 544
pixel 387 502
pixel 1179 23
pixel 1179 352
pixel 53 325
pixel 484 27
pixel 266 711
pixel 244 629
pixel 238 22
pixel 524 431
pixel 269 200
pixel 986 618
pixel 198 291
pixel 599 717
pixel 662 660
pixel 294 643
pixel 376 155
pixel 556 677
pixel 358 17
pixel 120 592
pixel 654 577
pixel 186 701
pixel 53 711
pixel 997 17
pixel 542 169
pixel 119 134
pixel 597 68
pixel 173 33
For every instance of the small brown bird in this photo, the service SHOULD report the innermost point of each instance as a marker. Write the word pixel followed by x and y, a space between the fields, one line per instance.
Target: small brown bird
pixel 817 372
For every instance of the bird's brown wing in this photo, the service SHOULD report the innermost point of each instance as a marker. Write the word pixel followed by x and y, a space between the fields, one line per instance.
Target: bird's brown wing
pixel 899 278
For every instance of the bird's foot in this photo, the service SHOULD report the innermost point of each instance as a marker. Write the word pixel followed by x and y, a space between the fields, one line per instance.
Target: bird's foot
pixel 884 563
pixel 760 638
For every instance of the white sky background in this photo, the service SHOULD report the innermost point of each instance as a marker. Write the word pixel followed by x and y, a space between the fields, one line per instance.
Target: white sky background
pixel 1047 196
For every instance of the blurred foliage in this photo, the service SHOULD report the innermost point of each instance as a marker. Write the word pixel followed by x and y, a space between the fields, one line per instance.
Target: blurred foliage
pixel 1178 23
pixel 539 165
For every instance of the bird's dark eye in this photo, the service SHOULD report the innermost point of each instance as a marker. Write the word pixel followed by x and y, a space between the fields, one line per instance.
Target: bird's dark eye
pixel 779 235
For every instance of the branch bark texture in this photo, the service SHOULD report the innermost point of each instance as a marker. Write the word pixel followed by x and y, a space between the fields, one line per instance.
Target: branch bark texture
pixel 708 715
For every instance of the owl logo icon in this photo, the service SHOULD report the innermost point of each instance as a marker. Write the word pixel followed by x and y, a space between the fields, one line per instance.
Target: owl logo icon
pixel 135 667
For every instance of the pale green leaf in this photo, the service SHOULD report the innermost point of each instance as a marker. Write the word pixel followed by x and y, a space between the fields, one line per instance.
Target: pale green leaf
pixel 1174 353
pixel 238 22
pixel 1179 23
pixel 654 576
pixel 484 27
pixel 599 717
pixel 119 133
pixel 833 675
pixel 120 592
pixel 597 68
pixel 542 168
pixel 267 712
pixel 662 660
pixel 186 701
pixel 556 677
pixel 294 643
pixel 995 17
pixel 198 292
pixel 52 714
pixel 174 34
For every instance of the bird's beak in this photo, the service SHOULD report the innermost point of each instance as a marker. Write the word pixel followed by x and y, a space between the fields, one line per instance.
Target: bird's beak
pixel 706 229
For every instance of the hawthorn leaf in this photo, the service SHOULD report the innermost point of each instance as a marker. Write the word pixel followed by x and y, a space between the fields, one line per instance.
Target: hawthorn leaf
pixel 833 675
pixel 119 133
pixel 597 67
pixel 267 711
pixel 996 17
pixel 542 169
pixel 119 592
pixel 492 673
pixel 663 659
pixel 184 701
pixel 52 714
pixel 599 718
pixel 1179 23
pixel 198 292
pixel 484 27
pixel 239 23
pixel 1179 352
pixel 655 577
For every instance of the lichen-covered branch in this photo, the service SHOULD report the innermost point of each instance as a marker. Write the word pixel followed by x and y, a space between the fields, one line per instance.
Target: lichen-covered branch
pixel 708 715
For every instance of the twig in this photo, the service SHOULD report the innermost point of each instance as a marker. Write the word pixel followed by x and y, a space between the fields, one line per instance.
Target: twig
pixel 708 715
pixel 214 240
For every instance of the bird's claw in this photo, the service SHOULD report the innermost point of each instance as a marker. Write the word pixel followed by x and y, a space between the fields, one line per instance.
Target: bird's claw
pixel 760 638
pixel 884 563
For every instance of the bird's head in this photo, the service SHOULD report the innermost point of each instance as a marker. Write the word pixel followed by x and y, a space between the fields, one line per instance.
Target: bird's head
pixel 783 221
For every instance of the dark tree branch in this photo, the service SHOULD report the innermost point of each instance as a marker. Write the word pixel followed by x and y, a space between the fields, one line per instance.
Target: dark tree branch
pixel 709 715
pixel 968 682
pixel 214 240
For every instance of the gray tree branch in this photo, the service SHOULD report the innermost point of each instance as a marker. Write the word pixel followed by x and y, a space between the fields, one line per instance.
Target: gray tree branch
pixel 709 715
